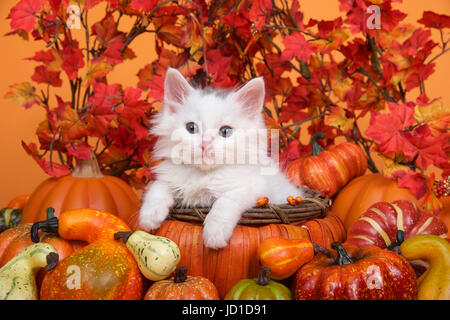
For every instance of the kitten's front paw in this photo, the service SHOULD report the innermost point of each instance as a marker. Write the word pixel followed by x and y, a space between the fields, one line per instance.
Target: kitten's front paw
pixel 216 234
pixel 152 216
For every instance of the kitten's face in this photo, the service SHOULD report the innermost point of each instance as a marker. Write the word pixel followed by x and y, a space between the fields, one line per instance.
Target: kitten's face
pixel 208 128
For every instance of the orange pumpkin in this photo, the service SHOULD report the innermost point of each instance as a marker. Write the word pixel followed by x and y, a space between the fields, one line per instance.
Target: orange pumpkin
pixel 284 256
pixel 182 287
pixel 103 270
pixel 86 187
pixel 328 170
pixel 239 259
pixel 361 193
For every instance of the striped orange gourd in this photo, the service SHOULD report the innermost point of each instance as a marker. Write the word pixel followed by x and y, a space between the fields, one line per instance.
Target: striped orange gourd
pixel 284 256
pixel 380 224
pixel 328 170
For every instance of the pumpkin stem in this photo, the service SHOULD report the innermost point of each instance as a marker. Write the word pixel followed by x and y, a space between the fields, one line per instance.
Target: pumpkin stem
pixel 399 238
pixel 263 276
pixel 180 274
pixel 342 256
pixel 52 261
pixel 50 225
pixel 320 249
pixel 87 168
pixel 124 235
pixel 316 148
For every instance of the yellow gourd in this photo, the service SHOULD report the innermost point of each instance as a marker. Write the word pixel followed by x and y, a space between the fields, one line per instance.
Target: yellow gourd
pixel 157 257
pixel 434 284
pixel 17 277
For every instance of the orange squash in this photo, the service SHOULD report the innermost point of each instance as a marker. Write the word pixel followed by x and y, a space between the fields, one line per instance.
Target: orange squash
pixel 361 193
pixel 328 170
pixel 86 187
pixel 239 259
pixel 103 270
pixel 284 256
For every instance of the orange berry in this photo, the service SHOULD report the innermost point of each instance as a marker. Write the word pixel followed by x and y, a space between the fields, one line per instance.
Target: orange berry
pixel 298 199
pixel 291 200
pixel 262 201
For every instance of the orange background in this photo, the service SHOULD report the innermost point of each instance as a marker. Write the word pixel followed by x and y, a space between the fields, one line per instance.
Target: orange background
pixel 19 174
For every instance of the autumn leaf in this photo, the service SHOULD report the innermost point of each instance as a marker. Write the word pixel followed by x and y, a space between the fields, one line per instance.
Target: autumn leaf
pixel 424 148
pixel 435 114
pixel 23 14
pixel 414 181
pixel 73 60
pixel 430 203
pixel 51 168
pixel 386 128
pixel 23 93
pixel 72 127
pixel 392 168
pixel 79 150
pixel 43 75
pixel 144 5
pixel 96 69
pixel 296 46
pixel 434 20
pixel 339 119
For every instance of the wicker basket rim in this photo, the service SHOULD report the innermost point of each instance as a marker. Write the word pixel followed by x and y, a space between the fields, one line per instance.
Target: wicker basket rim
pixel 312 207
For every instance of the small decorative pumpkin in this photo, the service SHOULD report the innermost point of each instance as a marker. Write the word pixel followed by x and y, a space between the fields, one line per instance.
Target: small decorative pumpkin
pixel 182 287
pixel 239 260
pixel 356 273
pixel 157 257
pixel 17 277
pixel 361 193
pixel 103 270
pixel 434 284
pixel 86 187
pixel 328 170
pixel 261 288
pixel 284 256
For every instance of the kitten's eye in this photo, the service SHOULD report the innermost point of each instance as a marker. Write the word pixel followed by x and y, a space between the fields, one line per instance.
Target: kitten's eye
pixel 191 127
pixel 225 131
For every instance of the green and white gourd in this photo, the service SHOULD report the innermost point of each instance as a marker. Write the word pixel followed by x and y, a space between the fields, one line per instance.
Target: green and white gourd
pixel 157 257
pixel 17 276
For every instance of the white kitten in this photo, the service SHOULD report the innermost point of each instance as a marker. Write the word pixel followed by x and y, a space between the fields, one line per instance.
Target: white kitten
pixel 204 160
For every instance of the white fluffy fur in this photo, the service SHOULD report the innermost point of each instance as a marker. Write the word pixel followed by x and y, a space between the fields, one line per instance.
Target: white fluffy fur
pixel 229 188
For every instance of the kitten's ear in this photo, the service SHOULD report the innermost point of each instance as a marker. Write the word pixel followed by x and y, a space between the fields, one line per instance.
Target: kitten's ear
pixel 176 89
pixel 251 96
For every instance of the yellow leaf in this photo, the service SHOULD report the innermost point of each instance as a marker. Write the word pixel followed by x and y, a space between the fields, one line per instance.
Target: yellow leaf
pixel 436 115
pixel 23 93
pixel 337 118
pixel 95 70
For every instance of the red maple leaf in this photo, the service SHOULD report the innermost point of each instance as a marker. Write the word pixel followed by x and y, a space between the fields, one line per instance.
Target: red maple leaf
pixel 23 14
pixel 144 5
pixel 42 75
pixel 296 46
pixel 80 150
pixel 414 181
pixel 51 168
pixel 421 72
pixel 113 53
pixel 386 128
pixel 73 60
pixel 425 148
pixel 156 86
pixel 434 20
